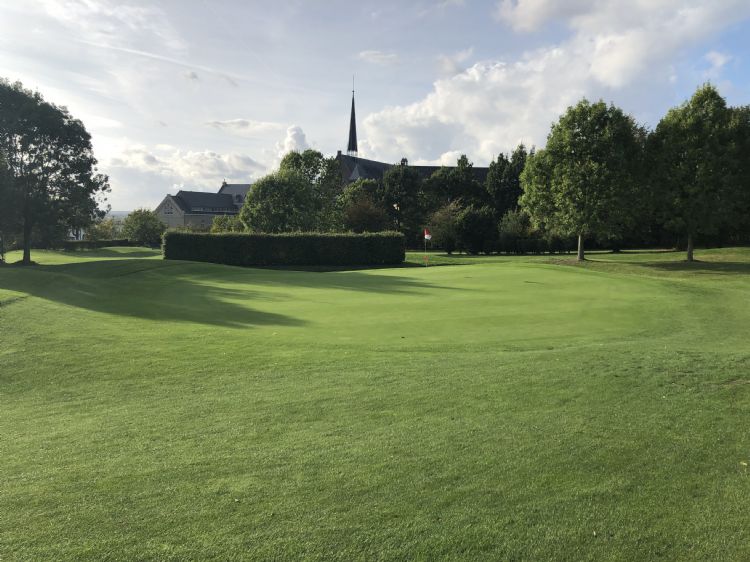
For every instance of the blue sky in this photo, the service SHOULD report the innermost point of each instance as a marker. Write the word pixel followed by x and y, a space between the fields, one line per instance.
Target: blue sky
pixel 182 94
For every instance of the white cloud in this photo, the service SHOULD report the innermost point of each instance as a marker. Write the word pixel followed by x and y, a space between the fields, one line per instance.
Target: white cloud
pixel 717 61
pixel 114 23
pixel 378 57
pixel 201 170
pixel 245 126
pixel 617 49
pixel 453 64
pixel 295 140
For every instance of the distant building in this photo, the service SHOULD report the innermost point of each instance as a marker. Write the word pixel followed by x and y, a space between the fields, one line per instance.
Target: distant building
pixel 354 168
pixel 197 209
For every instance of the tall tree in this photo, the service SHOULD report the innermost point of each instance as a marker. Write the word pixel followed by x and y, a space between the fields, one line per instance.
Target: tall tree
pixel 324 177
pixel 51 164
pixel 693 163
pixel 400 195
pixel 503 183
pixel 583 183
pixel 280 202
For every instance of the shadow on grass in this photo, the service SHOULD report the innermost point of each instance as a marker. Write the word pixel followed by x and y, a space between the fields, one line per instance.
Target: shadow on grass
pixel 699 266
pixel 141 289
pixel 186 291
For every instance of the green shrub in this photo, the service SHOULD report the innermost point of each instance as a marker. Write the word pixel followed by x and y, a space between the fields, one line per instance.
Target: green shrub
pixel 250 249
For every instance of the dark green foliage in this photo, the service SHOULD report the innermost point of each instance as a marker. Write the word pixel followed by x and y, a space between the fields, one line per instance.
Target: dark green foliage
pixel 323 176
pixel 399 195
pixel 477 230
pixel 694 166
pixel 358 210
pixel 54 185
pixel 444 226
pixel 503 183
pixel 380 248
pixel 143 227
pixel 227 223
pixel 514 228
pixel 280 202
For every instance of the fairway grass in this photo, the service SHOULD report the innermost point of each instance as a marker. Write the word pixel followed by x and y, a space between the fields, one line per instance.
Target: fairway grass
pixel 497 408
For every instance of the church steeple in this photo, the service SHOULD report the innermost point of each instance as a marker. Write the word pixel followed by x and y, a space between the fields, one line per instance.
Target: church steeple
pixel 351 150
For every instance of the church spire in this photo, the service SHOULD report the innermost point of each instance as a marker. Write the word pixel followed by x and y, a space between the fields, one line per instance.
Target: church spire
pixel 351 150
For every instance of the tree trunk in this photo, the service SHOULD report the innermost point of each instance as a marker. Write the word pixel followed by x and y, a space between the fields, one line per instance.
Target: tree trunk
pixel 26 242
pixel 581 257
pixel 690 247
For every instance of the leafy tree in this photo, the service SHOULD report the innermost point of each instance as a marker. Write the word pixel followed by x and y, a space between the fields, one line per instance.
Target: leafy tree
pixel 399 195
pixel 280 202
pixel 324 177
pixel 444 226
pixel 104 229
pixel 693 164
pixel 513 227
pixel 503 183
pixel 227 223
pixel 583 183
pixel 477 230
pixel 51 165
pixel 740 211
pixel 453 184
pixel 359 211
pixel 144 227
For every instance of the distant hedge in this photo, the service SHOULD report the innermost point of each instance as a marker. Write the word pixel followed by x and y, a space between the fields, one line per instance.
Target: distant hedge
pixel 93 244
pixel 377 248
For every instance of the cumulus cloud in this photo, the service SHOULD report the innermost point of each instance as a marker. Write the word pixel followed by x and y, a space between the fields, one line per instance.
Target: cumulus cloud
pixel 200 170
pixel 616 49
pixel 295 140
pixel 245 126
pixel 378 57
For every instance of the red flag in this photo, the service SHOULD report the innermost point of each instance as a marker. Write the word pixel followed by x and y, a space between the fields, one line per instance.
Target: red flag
pixel 427 234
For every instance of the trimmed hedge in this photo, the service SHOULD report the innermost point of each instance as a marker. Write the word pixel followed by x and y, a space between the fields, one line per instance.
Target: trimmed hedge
pixel 69 245
pixel 377 248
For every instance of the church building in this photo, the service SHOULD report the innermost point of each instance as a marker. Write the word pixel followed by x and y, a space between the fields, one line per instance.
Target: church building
pixel 354 168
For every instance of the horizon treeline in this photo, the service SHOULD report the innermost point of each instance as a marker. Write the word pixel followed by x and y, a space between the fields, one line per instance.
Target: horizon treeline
pixel 602 181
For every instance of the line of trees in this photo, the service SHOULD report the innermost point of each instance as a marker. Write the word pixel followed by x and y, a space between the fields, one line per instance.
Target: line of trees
pixel 603 177
pixel 602 180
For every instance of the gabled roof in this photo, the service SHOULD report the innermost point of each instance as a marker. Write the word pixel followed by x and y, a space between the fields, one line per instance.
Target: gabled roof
pixel 235 189
pixel 202 202
pixel 354 168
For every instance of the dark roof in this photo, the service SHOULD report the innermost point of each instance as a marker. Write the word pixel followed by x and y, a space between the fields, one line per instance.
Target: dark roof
pixel 354 168
pixel 202 202
pixel 352 130
pixel 235 188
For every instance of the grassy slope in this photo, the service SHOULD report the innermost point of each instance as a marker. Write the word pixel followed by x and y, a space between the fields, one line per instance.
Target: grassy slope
pixel 511 409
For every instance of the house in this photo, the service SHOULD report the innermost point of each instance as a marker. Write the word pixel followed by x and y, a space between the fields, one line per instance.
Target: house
pixel 197 209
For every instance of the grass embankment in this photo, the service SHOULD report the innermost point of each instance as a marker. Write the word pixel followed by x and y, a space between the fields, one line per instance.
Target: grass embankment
pixel 508 409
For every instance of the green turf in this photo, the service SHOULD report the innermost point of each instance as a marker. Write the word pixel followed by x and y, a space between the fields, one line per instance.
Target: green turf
pixel 506 409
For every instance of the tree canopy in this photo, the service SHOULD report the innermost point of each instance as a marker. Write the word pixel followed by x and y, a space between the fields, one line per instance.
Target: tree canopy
pixel 693 165
pixel 54 181
pixel 584 182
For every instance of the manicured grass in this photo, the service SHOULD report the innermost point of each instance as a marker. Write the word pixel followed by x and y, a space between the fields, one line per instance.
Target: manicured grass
pixel 509 409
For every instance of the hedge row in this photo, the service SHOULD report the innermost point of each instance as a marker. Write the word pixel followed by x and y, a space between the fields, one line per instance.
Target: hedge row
pixel 378 248
pixel 93 244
